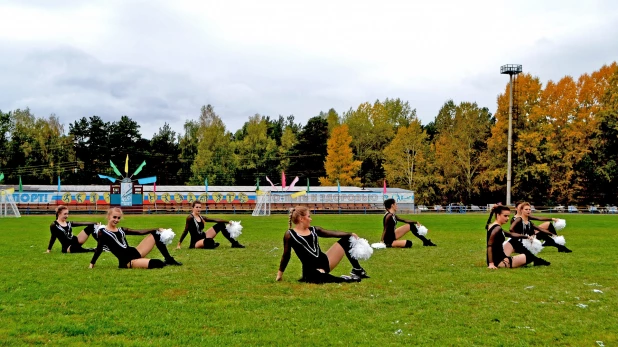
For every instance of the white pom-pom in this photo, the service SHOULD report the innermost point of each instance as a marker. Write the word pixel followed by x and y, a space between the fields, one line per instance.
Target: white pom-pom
pixel 360 249
pixel 422 230
pixel 234 228
pixel 167 235
pixel 97 227
pixel 560 224
pixel 560 240
pixel 534 245
pixel 378 245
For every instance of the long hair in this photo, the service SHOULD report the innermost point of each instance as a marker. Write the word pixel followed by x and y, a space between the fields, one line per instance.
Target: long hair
pixel 296 213
pixel 496 210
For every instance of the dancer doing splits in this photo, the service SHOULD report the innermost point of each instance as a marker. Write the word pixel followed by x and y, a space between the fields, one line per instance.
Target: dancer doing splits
pixel 391 236
pixel 194 225
pixel 114 237
pixel 303 238
pixel 62 230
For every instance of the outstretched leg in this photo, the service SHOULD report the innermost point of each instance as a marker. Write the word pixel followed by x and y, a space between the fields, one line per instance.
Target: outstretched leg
pixel 154 239
pixel 414 230
pixel 336 253
pixel 549 242
pixel 518 247
pixel 220 228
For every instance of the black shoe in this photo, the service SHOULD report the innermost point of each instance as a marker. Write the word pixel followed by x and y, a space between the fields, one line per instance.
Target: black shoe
pixel 215 245
pixel 429 243
pixel 351 278
pixel 237 245
pixel 359 273
pixel 563 249
pixel 541 262
pixel 172 261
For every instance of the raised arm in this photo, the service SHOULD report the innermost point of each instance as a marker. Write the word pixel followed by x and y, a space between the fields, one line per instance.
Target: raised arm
pixel 285 257
pixel 515 224
pixel 138 231
pixel 541 219
pixel 405 220
pixel 215 220
pixel 82 224
pixel 541 230
pixel 332 233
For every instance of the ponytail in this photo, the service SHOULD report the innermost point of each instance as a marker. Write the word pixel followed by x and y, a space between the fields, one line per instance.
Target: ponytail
pixel 495 209
pixel 290 218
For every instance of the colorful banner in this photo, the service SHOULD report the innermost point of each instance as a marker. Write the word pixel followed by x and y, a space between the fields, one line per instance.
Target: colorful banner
pixel 150 198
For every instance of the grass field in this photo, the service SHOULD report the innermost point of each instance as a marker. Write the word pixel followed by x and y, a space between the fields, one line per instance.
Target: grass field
pixel 436 296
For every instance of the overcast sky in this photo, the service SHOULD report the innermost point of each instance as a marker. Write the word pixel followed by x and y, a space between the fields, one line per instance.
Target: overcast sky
pixel 159 61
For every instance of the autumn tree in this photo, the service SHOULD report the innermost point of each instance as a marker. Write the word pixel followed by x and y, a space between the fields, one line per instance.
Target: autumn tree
pixel 215 158
pixel 256 152
pixel 459 150
pixel 405 154
pixel 340 164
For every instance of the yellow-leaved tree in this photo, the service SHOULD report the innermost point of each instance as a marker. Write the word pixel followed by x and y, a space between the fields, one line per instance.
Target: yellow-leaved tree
pixel 404 155
pixel 340 164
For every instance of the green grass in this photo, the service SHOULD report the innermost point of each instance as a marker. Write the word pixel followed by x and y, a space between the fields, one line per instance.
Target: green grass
pixel 436 296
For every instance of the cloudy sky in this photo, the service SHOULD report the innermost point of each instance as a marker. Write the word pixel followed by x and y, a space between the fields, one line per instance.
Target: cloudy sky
pixel 159 61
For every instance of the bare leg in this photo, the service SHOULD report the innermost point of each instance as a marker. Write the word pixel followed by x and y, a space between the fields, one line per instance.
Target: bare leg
pixel 335 254
pixel 141 263
pixel 211 233
pixel 199 244
pixel 508 249
pixel 519 260
pixel 402 230
pixel 82 237
pixel 399 244
pixel 146 245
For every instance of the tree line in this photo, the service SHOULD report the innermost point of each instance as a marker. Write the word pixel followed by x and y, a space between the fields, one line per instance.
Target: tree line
pixel 565 146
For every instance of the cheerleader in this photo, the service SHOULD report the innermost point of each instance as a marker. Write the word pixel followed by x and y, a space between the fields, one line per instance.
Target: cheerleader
pixel 547 225
pixel 303 238
pixel 62 230
pixel 114 237
pixel 391 236
pixel 194 225
pixel 495 255
pixel 523 225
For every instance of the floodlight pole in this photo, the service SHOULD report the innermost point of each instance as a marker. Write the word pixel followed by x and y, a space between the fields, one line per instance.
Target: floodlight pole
pixel 509 144
pixel 510 69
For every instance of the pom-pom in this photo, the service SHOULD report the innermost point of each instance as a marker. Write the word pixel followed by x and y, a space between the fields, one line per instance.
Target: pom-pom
pixel 560 240
pixel 534 245
pixel 360 249
pixel 560 224
pixel 97 227
pixel 234 228
pixel 378 245
pixel 166 236
pixel 422 230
